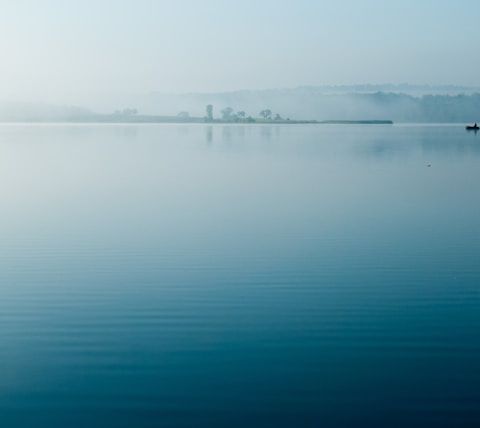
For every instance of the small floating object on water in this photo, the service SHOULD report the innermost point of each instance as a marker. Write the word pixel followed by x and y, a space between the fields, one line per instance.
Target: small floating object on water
pixel 473 127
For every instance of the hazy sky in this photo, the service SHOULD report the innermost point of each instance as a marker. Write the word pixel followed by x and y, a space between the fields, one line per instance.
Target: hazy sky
pixel 56 49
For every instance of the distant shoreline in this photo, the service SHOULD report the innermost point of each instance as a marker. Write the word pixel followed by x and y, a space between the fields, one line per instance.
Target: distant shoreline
pixel 147 119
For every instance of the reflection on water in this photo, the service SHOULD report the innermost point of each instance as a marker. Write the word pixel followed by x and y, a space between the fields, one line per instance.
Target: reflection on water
pixel 209 134
pixel 223 275
pixel 378 141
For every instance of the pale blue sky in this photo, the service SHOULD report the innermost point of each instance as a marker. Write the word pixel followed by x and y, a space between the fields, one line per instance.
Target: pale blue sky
pixel 59 48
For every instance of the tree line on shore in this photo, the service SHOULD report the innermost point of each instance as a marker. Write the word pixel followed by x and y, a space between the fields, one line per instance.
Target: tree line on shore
pixel 228 114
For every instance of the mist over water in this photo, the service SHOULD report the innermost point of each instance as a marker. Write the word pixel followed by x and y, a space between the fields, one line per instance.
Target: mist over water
pixel 208 275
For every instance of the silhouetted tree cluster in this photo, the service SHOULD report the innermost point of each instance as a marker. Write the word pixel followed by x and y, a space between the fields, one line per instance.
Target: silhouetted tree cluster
pixel 209 111
pixel 266 114
pixel 228 114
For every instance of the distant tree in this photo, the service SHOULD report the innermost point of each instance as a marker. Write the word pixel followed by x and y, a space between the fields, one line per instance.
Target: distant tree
pixel 250 119
pixel 241 115
pixel 227 113
pixel 183 115
pixel 266 114
pixel 278 117
pixel 209 111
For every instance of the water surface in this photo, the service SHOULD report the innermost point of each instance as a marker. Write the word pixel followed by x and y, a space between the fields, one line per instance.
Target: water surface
pixel 213 276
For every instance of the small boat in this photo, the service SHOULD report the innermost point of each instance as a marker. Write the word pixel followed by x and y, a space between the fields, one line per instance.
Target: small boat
pixel 472 127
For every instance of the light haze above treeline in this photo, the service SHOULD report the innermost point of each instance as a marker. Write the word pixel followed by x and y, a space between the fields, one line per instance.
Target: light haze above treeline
pixel 77 52
pixel 400 103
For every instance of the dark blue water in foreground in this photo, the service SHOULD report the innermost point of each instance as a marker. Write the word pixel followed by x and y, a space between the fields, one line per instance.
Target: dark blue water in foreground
pixel 232 276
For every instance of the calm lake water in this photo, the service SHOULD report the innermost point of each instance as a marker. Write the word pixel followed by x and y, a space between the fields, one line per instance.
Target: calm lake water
pixel 233 276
